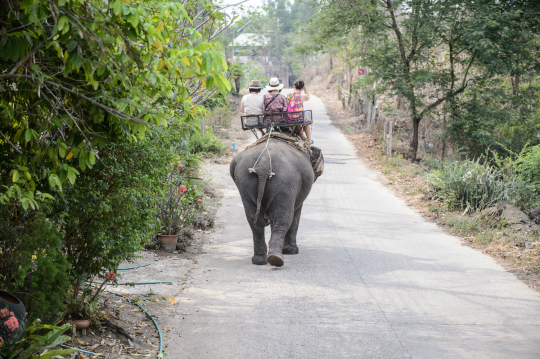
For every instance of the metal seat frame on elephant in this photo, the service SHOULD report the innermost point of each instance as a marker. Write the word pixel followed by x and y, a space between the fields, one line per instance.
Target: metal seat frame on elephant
pixel 277 120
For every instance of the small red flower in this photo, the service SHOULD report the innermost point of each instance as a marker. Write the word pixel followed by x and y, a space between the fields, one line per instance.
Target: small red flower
pixel 179 166
pixel 199 200
pixel 12 324
pixel 110 276
pixel 182 189
pixel 4 313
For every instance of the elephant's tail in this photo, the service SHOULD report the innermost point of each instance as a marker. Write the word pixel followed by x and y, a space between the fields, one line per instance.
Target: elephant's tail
pixel 263 177
pixel 262 183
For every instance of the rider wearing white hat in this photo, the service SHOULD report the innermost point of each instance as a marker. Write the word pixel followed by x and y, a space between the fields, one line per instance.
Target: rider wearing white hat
pixel 274 85
pixel 274 102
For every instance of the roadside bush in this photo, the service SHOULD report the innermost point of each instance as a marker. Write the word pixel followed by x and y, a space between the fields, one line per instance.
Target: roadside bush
pixel 431 162
pixel 206 144
pixel 528 166
pixel 33 265
pixel 469 184
pixel 111 210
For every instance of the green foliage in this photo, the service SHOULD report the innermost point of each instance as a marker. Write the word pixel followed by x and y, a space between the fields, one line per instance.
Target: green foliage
pixel 431 163
pixel 206 144
pixel 487 116
pixel 97 101
pixel 77 75
pixel 528 166
pixel 417 49
pixel 32 341
pixel 33 265
pixel 107 215
pixel 469 185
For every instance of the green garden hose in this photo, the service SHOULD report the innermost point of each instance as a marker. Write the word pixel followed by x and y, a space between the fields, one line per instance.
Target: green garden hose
pixel 144 265
pixel 144 310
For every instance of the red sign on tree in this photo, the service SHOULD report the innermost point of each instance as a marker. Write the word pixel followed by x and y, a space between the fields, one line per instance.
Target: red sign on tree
pixel 361 72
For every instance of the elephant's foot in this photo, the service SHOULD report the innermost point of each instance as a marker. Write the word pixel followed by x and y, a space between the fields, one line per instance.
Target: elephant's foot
pixel 290 250
pixel 276 260
pixel 259 260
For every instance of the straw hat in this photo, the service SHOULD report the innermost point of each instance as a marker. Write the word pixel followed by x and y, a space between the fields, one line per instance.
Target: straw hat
pixel 274 84
pixel 254 84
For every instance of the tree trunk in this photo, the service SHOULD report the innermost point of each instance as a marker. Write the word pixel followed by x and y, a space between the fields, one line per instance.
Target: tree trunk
pixel 515 84
pixel 443 150
pixel 237 84
pixel 414 139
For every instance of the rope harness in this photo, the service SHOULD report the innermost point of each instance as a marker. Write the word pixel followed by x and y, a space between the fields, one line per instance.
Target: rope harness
pixel 252 169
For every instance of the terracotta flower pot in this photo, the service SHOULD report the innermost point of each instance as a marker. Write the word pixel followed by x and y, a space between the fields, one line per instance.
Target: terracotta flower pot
pixel 81 324
pixel 168 241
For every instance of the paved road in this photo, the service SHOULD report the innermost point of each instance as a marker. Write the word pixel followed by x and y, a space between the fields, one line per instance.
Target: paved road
pixel 373 280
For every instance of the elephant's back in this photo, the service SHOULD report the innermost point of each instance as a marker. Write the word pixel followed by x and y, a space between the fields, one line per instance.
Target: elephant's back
pixel 286 161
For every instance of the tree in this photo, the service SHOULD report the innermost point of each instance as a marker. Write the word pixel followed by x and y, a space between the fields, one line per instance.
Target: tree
pixel 429 52
pixel 76 75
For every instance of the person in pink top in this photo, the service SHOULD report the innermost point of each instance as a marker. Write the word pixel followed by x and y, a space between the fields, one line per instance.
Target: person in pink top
pixel 295 102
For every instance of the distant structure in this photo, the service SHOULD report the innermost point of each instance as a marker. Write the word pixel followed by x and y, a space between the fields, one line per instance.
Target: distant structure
pixel 250 47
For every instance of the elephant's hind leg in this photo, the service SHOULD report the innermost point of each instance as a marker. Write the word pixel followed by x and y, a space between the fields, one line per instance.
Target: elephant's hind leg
pixel 281 221
pixel 275 251
pixel 259 244
pixel 289 245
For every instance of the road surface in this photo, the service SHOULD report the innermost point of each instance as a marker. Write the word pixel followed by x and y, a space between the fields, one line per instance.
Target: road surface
pixel 373 280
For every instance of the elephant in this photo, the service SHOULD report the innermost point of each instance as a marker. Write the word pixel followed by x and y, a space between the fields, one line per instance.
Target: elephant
pixel 273 192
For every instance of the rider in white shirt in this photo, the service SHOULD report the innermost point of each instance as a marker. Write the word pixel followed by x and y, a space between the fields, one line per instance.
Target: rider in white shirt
pixel 253 104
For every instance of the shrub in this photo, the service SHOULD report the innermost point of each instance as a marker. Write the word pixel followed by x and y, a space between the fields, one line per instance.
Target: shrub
pixel 528 166
pixel 111 211
pixel 469 184
pixel 33 265
pixel 431 162
pixel 206 144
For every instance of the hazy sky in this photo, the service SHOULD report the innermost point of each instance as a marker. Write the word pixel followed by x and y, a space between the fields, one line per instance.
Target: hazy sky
pixel 250 4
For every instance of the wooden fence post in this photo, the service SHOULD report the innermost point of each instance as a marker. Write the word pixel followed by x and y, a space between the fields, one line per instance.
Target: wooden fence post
pixel 384 136
pixel 369 116
pixel 390 141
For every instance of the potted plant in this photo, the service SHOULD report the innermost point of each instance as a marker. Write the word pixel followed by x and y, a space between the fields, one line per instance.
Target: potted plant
pixel 173 210
pixel 84 305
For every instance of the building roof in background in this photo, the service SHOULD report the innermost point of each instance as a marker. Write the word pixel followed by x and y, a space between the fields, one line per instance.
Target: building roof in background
pixel 250 39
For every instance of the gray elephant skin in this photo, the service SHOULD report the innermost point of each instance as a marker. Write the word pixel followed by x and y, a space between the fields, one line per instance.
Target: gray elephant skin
pixel 274 200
